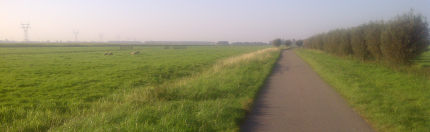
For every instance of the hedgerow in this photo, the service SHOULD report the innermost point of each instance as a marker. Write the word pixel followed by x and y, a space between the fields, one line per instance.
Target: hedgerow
pixel 399 41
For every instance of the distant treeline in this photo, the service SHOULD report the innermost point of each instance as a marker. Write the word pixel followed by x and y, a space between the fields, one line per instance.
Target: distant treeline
pixel 399 41
pixel 178 42
pixel 55 44
pixel 248 43
pixel 89 44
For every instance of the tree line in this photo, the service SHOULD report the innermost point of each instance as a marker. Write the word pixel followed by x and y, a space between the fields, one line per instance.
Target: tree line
pixel 399 41
pixel 277 42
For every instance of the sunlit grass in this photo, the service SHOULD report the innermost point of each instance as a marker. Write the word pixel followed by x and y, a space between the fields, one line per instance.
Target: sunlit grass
pixel 215 100
pixel 425 59
pixel 142 86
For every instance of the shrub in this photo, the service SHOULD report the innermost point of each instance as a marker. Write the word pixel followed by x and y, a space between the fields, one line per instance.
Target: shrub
pixel 308 43
pixel 399 41
pixel 329 42
pixel 358 42
pixel 373 38
pixel 344 48
pixel 299 43
pixel 405 38
pixel 318 42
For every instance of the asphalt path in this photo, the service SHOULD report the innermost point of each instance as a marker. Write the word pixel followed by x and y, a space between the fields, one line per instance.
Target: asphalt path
pixel 296 99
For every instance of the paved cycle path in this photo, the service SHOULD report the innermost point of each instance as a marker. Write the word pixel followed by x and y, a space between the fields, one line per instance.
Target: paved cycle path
pixel 295 98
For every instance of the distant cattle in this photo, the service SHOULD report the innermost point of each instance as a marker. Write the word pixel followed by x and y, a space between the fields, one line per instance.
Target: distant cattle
pixel 106 53
pixel 110 53
pixel 135 52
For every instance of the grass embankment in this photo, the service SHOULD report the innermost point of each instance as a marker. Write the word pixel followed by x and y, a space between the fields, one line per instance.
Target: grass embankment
pixel 215 100
pixel 388 100
pixel 172 90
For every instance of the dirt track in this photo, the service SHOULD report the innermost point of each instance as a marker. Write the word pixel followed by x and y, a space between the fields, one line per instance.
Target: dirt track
pixel 295 98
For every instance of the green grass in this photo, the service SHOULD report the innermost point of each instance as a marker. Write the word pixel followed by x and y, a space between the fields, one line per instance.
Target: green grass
pixel 425 59
pixel 389 100
pixel 77 88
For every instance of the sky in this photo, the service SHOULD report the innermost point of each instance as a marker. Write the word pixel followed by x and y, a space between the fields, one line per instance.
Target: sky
pixel 192 20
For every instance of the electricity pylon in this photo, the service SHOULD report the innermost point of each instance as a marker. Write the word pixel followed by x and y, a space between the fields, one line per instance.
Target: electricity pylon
pixel 101 37
pixel 25 27
pixel 76 32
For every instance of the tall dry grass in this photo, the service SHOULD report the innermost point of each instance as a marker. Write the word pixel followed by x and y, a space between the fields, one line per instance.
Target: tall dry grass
pixel 260 54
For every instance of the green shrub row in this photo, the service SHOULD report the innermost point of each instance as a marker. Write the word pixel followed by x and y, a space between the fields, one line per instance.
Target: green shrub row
pixel 399 41
pixel 278 42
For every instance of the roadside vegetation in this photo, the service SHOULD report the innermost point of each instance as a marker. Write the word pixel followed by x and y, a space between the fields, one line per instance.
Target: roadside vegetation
pixel 76 89
pixel 381 68
pixel 397 42
pixel 389 100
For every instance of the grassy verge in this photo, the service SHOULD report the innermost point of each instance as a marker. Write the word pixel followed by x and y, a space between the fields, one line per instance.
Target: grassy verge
pixel 388 100
pixel 425 59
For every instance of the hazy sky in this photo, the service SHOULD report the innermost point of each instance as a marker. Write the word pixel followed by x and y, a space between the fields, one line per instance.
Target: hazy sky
pixel 192 20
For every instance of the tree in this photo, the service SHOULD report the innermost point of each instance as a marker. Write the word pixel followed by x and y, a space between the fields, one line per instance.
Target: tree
pixel 405 38
pixel 299 43
pixel 277 42
pixel 373 38
pixel 288 43
pixel 344 47
pixel 358 42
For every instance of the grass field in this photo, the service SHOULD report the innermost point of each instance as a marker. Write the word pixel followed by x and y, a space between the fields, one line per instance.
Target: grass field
pixel 78 88
pixel 425 59
pixel 388 99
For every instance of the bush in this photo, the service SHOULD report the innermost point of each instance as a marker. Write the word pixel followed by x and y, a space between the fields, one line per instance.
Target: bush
pixel 299 43
pixel 405 38
pixel 329 42
pixel 358 42
pixel 373 38
pixel 318 42
pixel 344 48
pixel 307 43
pixel 399 41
